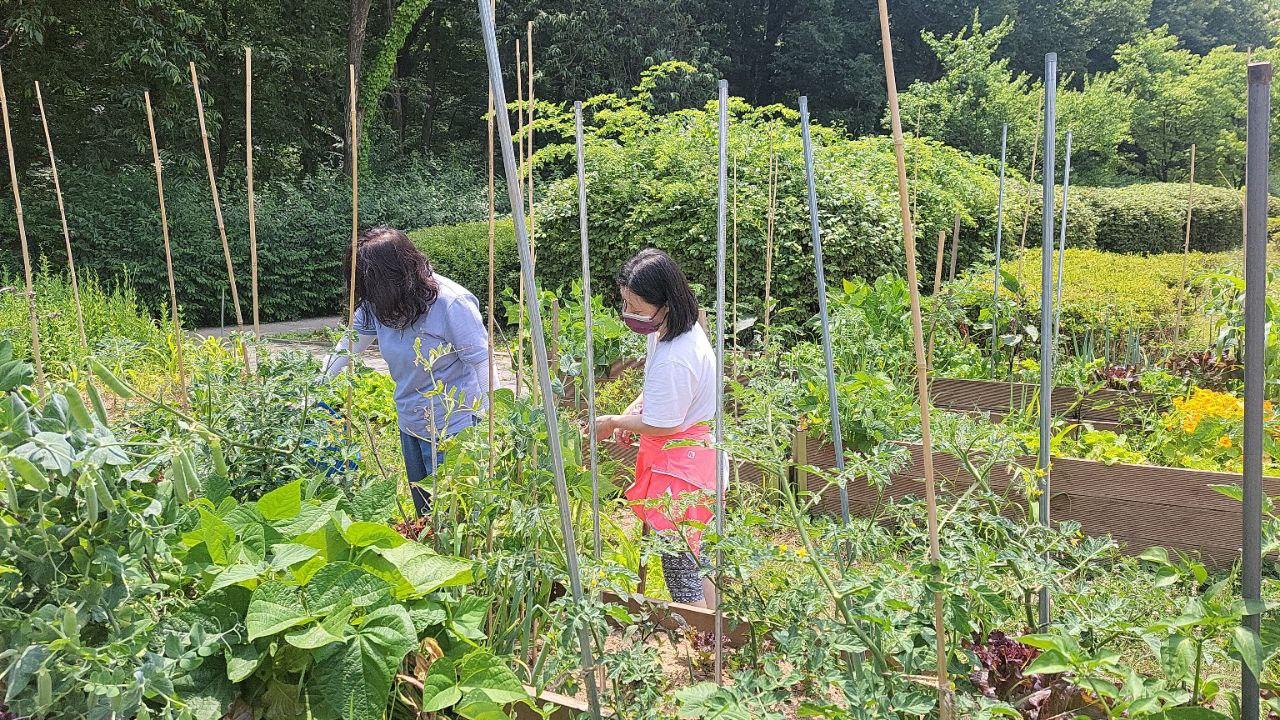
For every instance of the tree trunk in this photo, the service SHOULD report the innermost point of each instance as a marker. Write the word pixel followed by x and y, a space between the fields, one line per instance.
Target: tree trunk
pixel 355 52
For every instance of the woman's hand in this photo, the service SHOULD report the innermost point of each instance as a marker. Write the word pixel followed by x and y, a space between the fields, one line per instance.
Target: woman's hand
pixel 607 425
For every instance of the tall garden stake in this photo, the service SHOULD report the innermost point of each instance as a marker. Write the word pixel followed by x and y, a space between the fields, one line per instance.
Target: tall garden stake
pixel 1255 343
pixel 168 255
pixel 815 233
pixel 937 265
pixel 1031 179
pixel 995 290
pixel 22 238
pixel 217 202
pixel 734 302
pixel 520 161
pixel 721 222
pixel 1186 247
pixel 493 370
pixel 588 365
pixel 539 345
pixel 922 375
pixel 355 237
pixel 533 234
pixel 955 247
pixel 248 175
pixel 1046 306
pixel 1062 242
pixel 62 215
pixel 771 209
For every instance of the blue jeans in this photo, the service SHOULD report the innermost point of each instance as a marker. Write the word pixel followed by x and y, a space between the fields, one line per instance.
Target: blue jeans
pixel 421 458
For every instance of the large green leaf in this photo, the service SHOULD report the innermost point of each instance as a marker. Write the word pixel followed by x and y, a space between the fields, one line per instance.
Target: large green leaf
pixel 352 680
pixel 343 582
pixel 366 534
pixel 285 555
pixel 282 503
pixel 242 660
pixel 274 607
pixel 236 574
pixel 48 450
pixel 477 684
pixel 333 629
pixel 423 569
pixel 707 701
pixel 485 678
pixel 1248 644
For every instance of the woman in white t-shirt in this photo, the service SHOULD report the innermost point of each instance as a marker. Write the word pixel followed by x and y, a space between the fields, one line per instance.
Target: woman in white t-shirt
pixel 678 403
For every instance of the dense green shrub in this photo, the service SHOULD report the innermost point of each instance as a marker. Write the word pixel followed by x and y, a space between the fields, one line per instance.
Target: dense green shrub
pixel 114 322
pixel 1146 218
pixel 461 253
pixel 303 229
pixel 652 182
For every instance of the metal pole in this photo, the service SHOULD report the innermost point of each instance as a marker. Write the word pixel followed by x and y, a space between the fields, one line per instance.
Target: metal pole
pixel 1255 284
pixel 995 292
pixel 816 234
pixel 588 370
pixel 1062 241
pixel 1046 304
pixel 539 342
pixel 721 221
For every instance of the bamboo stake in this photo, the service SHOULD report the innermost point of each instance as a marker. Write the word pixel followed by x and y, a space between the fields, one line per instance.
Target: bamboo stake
pixel 926 439
pixel 22 237
pixel 248 168
pixel 217 203
pixel 168 254
pixel 768 236
pixel 1186 248
pixel 493 372
pixel 937 263
pixel 533 243
pixel 521 162
pixel 589 369
pixel 915 173
pixel 355 237
pixel 955 247
pixel 1031 188
pixel 937 291
pixel 735 260
pixel 721 479
pixel 62 215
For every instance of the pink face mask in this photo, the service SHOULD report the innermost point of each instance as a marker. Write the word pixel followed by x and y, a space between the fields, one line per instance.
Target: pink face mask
pixel 643 324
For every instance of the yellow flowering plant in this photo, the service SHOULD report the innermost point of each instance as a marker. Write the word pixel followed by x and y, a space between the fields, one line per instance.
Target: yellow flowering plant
pixel 1204 430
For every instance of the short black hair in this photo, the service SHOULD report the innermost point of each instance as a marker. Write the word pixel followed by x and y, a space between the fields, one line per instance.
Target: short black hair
pixel 658 279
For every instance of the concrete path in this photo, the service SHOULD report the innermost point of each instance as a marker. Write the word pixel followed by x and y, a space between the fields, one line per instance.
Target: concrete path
pixel 272 333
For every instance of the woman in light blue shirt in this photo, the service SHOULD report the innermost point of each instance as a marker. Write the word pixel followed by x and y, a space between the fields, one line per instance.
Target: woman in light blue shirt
pixel 432 337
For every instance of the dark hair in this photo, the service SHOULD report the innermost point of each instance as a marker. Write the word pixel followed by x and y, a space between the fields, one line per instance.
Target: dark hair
pixel 393 277
pixel 655 277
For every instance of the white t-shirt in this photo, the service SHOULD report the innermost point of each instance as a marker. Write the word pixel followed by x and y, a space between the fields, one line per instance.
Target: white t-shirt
pixel 679 381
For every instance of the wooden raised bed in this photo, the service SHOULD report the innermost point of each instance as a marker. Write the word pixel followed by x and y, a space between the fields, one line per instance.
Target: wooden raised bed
pixel 1140 506
pixel 625 455
pixel 1104 409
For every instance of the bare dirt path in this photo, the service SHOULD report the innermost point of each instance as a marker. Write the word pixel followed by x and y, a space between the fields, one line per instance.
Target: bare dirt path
pixel 305 335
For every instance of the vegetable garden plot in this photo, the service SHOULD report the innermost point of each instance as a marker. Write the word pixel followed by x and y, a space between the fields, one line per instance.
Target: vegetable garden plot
pixel 1140 506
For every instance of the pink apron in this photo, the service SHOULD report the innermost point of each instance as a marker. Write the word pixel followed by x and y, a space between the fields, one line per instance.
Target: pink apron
pixel 669 472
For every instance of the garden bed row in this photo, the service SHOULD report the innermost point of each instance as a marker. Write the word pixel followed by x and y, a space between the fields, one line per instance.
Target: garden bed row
pixel 1104 409
pixel 1140 506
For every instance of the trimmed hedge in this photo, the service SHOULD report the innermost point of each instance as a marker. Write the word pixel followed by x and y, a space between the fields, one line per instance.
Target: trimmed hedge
pixel 1147 218
pixel 304 232
pixel 652 182
pixel 461 253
